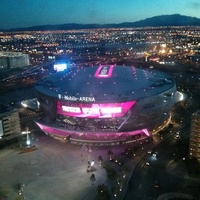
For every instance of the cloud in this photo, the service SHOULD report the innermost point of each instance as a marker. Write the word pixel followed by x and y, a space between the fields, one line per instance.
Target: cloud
pixel 194 5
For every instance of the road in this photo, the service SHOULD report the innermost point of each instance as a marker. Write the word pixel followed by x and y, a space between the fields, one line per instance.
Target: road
pixel 166 172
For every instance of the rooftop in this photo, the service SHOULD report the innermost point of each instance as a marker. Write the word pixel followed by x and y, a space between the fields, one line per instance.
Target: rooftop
pixel 4 108
pixel 106 83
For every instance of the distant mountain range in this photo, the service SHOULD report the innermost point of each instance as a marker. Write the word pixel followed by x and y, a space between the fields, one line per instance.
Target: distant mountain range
pixel 163 20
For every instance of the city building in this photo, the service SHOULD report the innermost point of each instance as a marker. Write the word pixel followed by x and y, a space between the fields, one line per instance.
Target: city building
pixel 105 103
pixel 30 103
pixel 9 123
pixel 194 145
pixel 9 60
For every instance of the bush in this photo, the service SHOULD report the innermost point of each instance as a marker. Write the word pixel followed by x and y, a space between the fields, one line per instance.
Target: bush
pixel 102 193
pixel 111 172
pixel 3 193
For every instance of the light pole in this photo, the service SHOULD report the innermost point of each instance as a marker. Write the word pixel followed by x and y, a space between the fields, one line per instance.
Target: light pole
pixel 90 165
pixel 21 190
pixel 28 141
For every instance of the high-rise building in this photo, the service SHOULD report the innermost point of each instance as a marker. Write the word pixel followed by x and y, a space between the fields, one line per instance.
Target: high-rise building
pixel 9 60
pixel 194 146
pixel 9 123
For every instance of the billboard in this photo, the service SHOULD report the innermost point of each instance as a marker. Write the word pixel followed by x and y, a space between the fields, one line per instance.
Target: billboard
pixel 105 110
pixel 60 67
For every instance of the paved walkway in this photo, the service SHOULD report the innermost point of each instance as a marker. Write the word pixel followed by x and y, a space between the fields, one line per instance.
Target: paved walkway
pixel 172 196
pixel 177 169
pixel 56 171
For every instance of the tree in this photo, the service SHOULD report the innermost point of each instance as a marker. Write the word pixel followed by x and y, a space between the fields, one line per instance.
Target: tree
pixel 20 188
pixel 110 154
pixel 100 160
pixel 3 193
pixel 92 178
pixel 111 172
pixel 102 193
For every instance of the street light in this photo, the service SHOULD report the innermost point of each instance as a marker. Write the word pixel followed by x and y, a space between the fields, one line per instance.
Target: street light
pixel 28 141
pixel 21 190
pixel 92 163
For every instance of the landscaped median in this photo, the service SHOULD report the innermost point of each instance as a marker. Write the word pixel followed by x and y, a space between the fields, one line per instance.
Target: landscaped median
pixel 28 149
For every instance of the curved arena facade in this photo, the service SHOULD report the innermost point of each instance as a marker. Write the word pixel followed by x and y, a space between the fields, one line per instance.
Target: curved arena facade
pixel 105 103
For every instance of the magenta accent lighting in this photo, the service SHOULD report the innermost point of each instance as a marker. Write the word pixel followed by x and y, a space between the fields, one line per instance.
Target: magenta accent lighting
pixel 85 134
pixel 104 71
pixel 146 132
pixel 105 110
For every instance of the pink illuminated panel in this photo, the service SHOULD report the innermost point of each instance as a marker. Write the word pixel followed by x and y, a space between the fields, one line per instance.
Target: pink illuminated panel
pixel 72 133
pixel 94 110
pixel 104 71
pixel 146 132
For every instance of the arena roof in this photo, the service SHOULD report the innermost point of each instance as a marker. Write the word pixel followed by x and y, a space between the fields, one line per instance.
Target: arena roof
pixel 105 83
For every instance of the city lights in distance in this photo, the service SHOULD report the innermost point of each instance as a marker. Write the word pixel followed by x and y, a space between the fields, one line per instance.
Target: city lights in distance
pixel 60 67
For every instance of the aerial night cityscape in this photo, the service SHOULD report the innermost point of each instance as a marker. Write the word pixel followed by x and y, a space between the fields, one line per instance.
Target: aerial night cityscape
pixel 99 100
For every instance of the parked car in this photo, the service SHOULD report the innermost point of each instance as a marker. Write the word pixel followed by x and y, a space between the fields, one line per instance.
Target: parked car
pixel 155 154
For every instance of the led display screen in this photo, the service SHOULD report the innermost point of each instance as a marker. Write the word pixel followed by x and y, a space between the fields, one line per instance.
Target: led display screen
pixel 60 67
pixel 94 110
pixel 104 71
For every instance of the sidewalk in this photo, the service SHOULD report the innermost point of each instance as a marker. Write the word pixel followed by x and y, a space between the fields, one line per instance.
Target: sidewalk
pixel 170 195
pixel 55 171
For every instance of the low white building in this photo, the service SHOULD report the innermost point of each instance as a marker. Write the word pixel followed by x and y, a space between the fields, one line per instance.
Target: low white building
pixel 9 60
pixel 9 123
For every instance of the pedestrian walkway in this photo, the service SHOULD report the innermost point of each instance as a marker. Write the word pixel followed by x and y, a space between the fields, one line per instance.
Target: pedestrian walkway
pixel 55 171
pixel 170 195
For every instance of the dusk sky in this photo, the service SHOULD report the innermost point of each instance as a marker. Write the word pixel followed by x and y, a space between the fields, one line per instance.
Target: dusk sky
pixel 26 13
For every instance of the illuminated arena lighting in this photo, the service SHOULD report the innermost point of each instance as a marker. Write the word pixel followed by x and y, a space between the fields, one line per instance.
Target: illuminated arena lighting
pixel 60 67
pixel 104 71
pixel 108 135
pixel 105 103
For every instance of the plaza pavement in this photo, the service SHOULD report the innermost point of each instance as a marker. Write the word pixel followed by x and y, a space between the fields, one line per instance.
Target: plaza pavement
pixel 58 171
pixel 55 171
